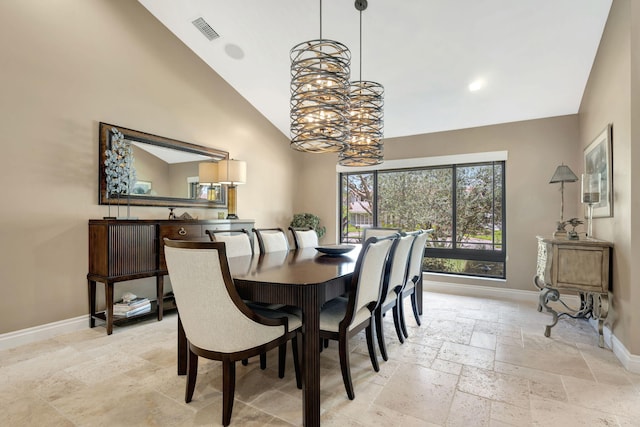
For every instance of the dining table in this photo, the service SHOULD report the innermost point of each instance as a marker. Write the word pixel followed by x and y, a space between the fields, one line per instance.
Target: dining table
pixel 303 278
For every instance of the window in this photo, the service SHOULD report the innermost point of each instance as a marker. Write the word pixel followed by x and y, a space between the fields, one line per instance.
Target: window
pixel 462 205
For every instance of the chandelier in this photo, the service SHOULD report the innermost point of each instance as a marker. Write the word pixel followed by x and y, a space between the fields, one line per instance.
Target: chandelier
pixel 320 94
pixel 366 117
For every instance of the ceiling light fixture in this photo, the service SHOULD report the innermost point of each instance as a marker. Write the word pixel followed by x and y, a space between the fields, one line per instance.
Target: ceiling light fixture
pixel 366 117
pixel 320 72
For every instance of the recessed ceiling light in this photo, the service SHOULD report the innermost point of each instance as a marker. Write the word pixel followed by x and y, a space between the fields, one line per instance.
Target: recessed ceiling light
pixel 476 85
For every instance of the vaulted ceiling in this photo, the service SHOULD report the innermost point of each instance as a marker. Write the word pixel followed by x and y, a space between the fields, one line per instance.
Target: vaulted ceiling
pixel 529 58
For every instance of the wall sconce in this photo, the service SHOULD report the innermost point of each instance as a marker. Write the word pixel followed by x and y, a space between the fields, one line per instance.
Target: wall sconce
pixel 232 173
pixel 562 174
pixel 208 175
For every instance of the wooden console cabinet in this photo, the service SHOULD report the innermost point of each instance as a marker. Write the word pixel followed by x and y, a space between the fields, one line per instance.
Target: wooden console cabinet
pixel 580 266
pixel 121 250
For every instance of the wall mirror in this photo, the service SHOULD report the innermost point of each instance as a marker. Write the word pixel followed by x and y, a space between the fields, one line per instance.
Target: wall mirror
pixel 166 171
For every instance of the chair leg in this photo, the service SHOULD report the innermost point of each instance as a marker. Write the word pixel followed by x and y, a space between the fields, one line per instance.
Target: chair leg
pixel 228 390
pixel 282 359
pixel 326 343
pixel 397 323
pixel 380 335
pixel 192 373
pixel 296 360
pixel 344 365
pixel 414 305
pixel 371 346
pixel 403 322
pixel 263 361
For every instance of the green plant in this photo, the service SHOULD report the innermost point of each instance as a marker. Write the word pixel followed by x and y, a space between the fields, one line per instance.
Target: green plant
pixel 301 220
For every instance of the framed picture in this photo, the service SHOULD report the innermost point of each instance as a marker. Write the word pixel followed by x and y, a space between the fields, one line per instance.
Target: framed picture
pixel 598 159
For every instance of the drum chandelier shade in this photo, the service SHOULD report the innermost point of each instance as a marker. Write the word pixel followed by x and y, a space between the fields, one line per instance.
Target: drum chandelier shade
pixel 320 72
pixel 366 125
pixel 366 117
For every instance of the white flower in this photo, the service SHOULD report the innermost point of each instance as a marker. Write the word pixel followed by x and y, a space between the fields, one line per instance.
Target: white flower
pixel 119 170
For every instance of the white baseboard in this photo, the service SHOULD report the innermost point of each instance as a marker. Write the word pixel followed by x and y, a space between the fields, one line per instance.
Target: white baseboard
pixel 42 332
pixel 631 362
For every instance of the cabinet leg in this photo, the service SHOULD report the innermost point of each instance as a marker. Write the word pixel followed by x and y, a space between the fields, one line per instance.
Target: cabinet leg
pixel 92 303
pixel 109 309
pixel 546 295
pixel 160 295
pixel 600 312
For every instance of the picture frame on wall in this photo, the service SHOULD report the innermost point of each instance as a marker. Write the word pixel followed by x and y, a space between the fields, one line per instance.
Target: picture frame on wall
pixel 598 159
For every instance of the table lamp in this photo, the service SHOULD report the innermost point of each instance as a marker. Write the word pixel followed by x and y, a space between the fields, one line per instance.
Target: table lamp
pixel 562 174
pixel 208 175
pixel 232 172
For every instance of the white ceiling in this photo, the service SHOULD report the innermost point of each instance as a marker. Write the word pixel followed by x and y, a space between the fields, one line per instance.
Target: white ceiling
pixel 533 57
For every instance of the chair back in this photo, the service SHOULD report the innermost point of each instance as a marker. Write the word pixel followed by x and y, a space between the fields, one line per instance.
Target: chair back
pixel 271 239
pixel 368 277
pixel 237 242
pixel 212 313
pixel 416 256
pixel 378 232
pixel 399 260
pixel 304 237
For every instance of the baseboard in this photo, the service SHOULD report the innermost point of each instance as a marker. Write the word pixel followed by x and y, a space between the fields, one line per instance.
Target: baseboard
pixel 630 361
pixel 42 332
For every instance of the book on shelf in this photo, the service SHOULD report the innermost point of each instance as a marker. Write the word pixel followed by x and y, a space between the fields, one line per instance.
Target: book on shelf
pixel 131 308
pixel 134 303
pixel 133 312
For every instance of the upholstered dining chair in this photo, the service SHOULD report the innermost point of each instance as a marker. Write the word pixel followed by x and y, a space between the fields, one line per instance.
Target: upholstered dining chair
pixel 377 232
pixel 271 239
pixel 392 289
pixel 342 318
pixel 414 277
pixel 217 323
pixel 304 237
pixel 237 242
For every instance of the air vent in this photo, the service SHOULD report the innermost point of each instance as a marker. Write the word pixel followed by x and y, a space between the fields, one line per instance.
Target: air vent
pixel 205 29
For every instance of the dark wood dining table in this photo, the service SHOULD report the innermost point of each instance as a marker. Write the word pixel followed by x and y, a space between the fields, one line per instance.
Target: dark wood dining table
pixel 302 278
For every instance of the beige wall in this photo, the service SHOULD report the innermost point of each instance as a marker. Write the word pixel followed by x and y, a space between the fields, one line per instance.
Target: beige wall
pixel 535 148
pixel 612 96
pixel 66 66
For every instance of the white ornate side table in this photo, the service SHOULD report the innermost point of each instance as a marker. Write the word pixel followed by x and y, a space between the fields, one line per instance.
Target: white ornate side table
pixel 580 266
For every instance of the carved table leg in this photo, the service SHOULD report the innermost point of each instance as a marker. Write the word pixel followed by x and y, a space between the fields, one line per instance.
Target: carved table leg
pixel 549 294
pixel 600 312
pixel 160 296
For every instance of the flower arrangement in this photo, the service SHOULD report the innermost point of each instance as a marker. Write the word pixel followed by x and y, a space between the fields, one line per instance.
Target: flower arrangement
pixel 119 170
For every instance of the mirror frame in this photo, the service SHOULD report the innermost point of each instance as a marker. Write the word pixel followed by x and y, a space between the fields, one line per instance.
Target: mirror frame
pixel 104 143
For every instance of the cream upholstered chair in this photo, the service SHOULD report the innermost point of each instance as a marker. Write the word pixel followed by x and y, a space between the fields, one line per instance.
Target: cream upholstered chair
pixel 271 239
pixel 342 318
pixel 304 237
pixel 377 232
pixel 392 289
pixel 237 242
pixel 414 277
pixel 217 323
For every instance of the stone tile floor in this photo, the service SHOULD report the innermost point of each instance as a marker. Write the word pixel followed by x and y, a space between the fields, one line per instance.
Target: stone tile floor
pixel 473 362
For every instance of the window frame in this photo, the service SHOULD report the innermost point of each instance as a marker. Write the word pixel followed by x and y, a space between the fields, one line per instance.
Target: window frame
pixel 499 256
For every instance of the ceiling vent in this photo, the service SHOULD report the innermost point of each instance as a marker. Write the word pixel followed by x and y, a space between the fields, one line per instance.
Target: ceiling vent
pixel 205 29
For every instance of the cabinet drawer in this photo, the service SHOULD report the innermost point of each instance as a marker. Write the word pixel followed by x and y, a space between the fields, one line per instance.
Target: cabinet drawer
pixel 179 232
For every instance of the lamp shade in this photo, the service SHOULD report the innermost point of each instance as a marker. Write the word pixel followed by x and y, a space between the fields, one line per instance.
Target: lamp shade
pixel 207 172
pixel 232 172
pixel 563 174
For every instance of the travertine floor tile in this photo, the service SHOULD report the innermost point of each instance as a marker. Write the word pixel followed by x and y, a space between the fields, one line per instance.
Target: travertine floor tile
pixel 473 362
